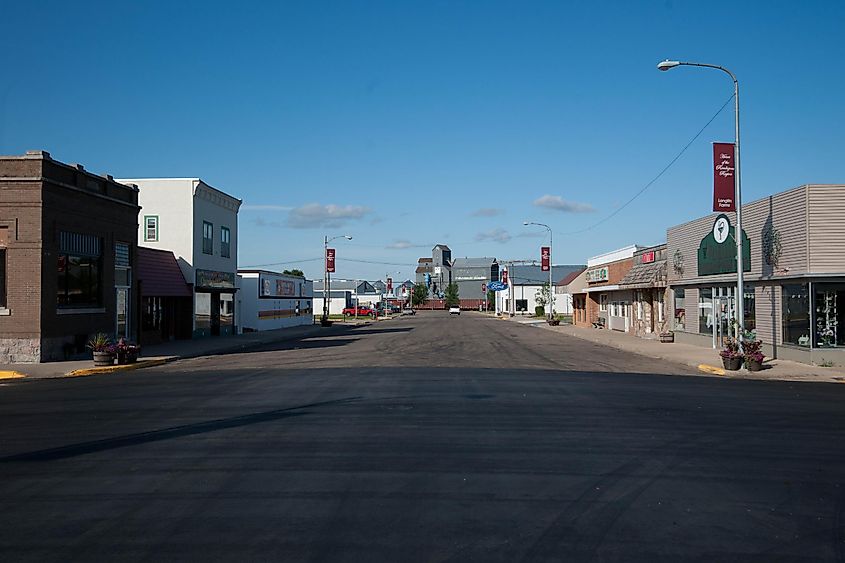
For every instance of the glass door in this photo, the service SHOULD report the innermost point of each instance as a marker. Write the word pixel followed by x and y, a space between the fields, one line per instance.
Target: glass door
pixel 122 313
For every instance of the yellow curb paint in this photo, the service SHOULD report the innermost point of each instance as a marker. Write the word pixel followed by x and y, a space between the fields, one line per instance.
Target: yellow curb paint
pixel 11 374
pixel 711 369
pixel 112 369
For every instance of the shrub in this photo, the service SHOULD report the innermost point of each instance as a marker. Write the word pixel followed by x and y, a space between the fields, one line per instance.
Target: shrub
pixel 539 311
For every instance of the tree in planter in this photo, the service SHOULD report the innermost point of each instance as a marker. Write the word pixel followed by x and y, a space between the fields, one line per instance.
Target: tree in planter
pixel 542 298
pixel 452 299
pixel 419 295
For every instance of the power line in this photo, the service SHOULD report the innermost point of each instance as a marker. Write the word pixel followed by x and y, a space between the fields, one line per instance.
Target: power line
pixel 665 168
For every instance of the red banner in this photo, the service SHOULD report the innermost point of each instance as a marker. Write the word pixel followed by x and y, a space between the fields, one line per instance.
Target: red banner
pixel 504 276
pixel 724 176
pixel 390 285
pixel 545 258
pixel 330 260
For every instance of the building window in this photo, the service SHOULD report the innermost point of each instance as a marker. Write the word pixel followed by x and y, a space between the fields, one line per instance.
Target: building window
pixel 660 300
pixel 705 310
pixel 828 304
pixel 225 237
pixel 796 314
pixel 521 305
pixel 639 298
pixel 603 302
pixel 680 309
pixel 151 228
pixel 207 238
pixel 79 271
pixel 749 304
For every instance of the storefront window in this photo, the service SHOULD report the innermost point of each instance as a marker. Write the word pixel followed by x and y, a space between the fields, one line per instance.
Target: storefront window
pixel 660 299
pixel 828 304
pixel 79 280
pixel 796 314
pixel 603 302
pixel 680 309
pixel 203 311
pixel 227 309
pixel 705 310
pixel 521 305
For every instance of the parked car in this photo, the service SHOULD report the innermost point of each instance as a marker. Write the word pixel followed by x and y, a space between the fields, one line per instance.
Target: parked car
pixel 394 309
pixel 454 310
pixel 408 311
pixel 362 311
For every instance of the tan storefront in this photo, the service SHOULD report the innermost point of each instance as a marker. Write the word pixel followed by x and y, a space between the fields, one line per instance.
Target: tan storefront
pixel 794 262
pixel 603 302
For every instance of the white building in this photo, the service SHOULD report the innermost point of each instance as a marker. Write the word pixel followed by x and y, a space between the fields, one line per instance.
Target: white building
pixel 199 224
pixel 269 300
pixel 525 282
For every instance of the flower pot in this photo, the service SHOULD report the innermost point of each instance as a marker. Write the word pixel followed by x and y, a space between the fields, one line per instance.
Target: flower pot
pixel 732 364
pixel 753 365
pixel 103 359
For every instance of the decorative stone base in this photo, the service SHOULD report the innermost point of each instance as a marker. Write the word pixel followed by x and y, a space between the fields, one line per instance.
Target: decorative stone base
pixel 20 350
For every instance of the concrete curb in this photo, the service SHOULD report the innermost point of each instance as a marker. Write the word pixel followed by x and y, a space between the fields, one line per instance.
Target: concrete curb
pixel 7 374
pixel 141 364
pixel 713 370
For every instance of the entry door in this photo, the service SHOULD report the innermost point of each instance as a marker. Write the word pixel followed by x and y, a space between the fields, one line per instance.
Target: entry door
pixel 215 314
pixel 122 313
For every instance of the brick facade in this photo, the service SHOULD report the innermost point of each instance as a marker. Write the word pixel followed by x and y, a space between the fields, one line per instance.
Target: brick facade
pixel 39 199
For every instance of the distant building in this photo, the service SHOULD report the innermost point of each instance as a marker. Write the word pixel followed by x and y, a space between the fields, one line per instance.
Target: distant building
pixel 526 281
pixel 270 300
pixel 471 274
pixel 68 245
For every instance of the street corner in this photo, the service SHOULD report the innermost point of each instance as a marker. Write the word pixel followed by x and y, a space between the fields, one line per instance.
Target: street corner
pixel 11 374
pixel 712 370
pixel 140 364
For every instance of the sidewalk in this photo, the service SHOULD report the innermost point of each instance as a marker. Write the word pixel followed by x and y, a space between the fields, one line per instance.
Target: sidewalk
pixel 698 357
pixel 158 354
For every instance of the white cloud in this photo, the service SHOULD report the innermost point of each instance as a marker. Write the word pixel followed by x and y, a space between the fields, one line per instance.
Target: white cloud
pixel 315 215
pixel 559 204
pixel 487 212
pixel 400 245
pixel 248 207
pixel 497 235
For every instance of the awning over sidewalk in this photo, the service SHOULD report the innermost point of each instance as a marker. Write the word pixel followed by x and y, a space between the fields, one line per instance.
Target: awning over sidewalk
pixel 160 274
pixel 643 276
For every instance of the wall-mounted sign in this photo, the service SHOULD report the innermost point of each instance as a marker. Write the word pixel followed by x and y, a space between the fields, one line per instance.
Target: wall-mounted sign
pixel 270 285
pixel 215 280
pixel 597 275
pixel 717 251
pixel 497 286
pixel 330 255
pixel 724 169
pixel 648 257
pixel 504 277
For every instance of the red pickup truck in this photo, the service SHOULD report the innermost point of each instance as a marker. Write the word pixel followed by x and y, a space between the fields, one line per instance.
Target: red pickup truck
pixel 363 311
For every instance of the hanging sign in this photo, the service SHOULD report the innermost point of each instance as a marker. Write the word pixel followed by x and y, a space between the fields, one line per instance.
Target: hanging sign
pixel 724 177
pixel 504 277
pixel 545 258
pixel 330 260
pixel 497 286
pixel 390 285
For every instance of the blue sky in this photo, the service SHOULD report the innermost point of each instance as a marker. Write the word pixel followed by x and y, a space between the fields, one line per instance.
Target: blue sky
pixel 406 124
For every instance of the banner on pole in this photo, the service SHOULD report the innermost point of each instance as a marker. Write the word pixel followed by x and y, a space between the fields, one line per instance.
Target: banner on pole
pixel 724 177
pixel 330 260
pixel 545 258
pixel 390 285
pixel 505 277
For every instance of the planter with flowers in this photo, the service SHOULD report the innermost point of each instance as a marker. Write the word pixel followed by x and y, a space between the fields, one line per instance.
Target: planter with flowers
pixel 752 353
pixel 126 353
pixel 731 356
pixel 102 349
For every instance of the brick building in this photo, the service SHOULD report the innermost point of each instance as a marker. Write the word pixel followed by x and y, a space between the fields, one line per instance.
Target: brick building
pixel 68 242
pixel 603 300
pixel 647 281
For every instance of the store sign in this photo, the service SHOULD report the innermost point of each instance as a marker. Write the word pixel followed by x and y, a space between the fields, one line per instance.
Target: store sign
pixel 717 251
pixel 597 275
pixel 724 176
pixel 330 260
pixel 545 258
pixel 648 257
pixel 275 286
pixel 215 280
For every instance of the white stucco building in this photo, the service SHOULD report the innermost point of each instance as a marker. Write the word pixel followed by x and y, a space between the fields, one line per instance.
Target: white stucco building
pixel 270 300
pixel 199 224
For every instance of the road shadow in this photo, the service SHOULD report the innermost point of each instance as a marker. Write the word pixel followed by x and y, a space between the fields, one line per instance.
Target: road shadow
pixel 83 448
pixel 311 342
pixel 383 330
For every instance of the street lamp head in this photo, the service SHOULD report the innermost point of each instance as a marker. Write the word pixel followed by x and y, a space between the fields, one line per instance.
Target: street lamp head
pixel 667 64
pixel 526 223
pixel 347 237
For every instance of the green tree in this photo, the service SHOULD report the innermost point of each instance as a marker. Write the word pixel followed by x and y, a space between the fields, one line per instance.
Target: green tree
pixel 491 300
pixel 452 299
pixel 294 272
pixel 420 294
pixel 543 297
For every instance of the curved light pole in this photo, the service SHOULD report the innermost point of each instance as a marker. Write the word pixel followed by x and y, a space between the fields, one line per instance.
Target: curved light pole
pixel 740 294
pixel 326 282
pixel 551 287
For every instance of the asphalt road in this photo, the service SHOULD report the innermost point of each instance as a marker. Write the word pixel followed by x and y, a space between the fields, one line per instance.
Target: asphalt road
pixel 422 439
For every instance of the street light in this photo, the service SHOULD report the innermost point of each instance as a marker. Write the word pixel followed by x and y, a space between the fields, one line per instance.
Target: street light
pixel 326 281
pixel 740 294
pixel 551 287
